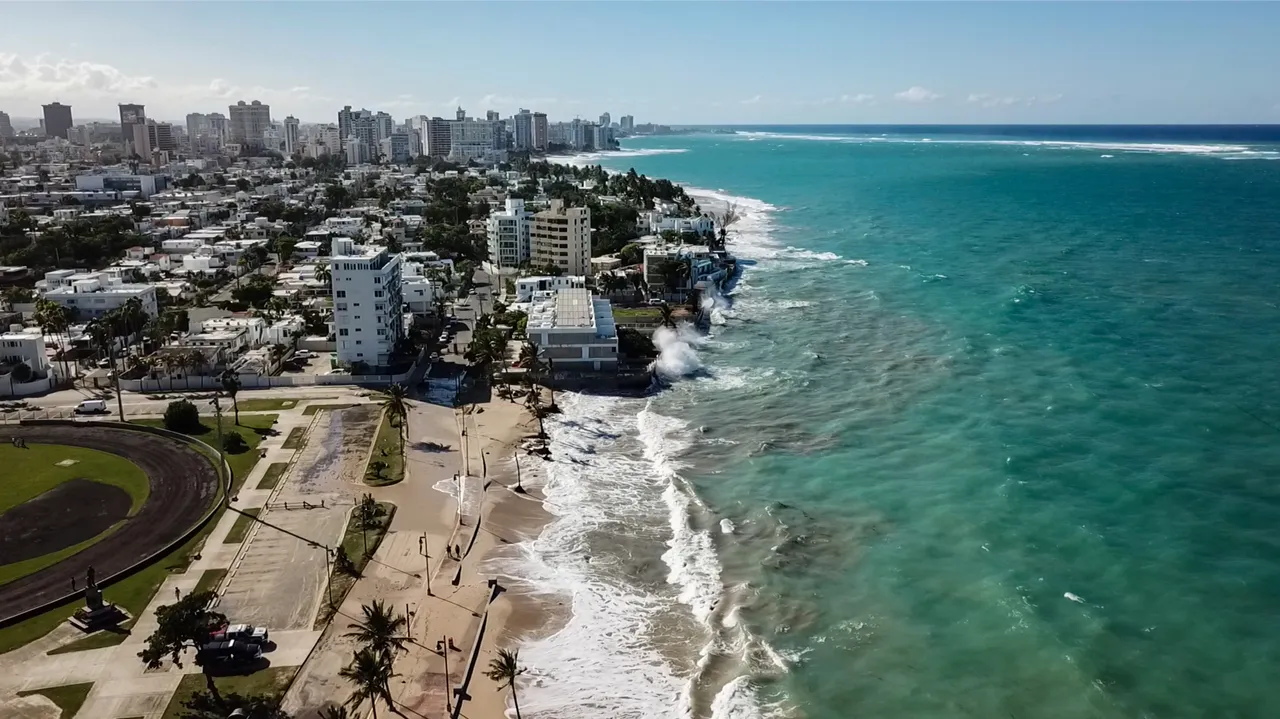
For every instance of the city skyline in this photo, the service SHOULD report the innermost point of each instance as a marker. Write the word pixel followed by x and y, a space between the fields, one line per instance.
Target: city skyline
pixel 759 63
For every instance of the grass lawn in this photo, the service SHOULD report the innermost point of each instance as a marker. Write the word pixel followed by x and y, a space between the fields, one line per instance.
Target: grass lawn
pixel 296 437
pixel 264 405
pixel 243 462
pixel 354 542
pixel 275 471
pixel 272 681
pixel 388 448
pixel 313 408
pixel 240 529
pixel 210 580
pixel 637 314
pixel 33 471
pixel 69 698
pixel 132 593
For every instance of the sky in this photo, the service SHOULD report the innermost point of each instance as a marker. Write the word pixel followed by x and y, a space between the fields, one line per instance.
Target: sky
pixel 666 62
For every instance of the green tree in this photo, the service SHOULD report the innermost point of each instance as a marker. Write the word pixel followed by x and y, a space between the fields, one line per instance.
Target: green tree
pixel 504 669
pixel 370 673
pixel 397 404
pixel 203 705
pixel 185 624
pixel 182 416
pixel 668 315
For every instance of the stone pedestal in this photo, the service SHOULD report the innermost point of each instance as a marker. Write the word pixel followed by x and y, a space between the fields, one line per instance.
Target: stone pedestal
pixel 96 614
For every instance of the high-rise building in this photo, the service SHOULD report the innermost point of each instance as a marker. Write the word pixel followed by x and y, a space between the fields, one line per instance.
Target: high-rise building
pixel 383 127
pixel 219 126
pixel 602 137
pixel 248 123
pixel 561 236
pixel 344 123
pixel 491 115
pixel 522 130
pixel 131 114
pixel 396 148
pixel 357 152
pixel 437 138
pixel 627 123
pixel 470 139
pixel 6 127
pixel 541 136
pixel 326 141
pixel 197 124
pixel 151 136
pixel 460 115
pixel 605 120
pixel 57 120
pixel 508 234
pixel 367 321
pixel 291 126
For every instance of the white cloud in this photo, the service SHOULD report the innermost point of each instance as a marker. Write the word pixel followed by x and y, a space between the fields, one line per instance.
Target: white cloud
pixel 917 94
pixel 754 100
pixel 44 77
pixel 859 99
pixel 988 100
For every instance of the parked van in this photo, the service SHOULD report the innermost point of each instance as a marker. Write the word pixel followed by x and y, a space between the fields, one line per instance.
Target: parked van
pixel 92 406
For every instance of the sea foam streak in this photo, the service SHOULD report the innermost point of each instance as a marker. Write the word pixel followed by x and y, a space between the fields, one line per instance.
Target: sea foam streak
pixel 1219 150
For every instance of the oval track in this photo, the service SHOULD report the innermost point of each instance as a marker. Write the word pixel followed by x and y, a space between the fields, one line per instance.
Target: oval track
pixel 183 484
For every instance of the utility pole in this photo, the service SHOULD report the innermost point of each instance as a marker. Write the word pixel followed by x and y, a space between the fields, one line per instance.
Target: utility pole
pixel 217 418
pixel 111 350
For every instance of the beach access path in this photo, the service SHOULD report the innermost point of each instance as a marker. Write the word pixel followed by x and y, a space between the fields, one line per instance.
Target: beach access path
pixel 444 442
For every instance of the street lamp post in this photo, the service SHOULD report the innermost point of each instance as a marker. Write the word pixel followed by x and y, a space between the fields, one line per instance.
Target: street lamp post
pixel 422 547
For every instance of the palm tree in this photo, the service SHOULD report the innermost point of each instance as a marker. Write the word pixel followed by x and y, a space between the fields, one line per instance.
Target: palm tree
pixel 533 401
pixel 371 674
pixel 382 630
pixel 325 275
pixel 337 711
pixel 667 315
pixel 54 319
pixel 398 409
pixel 196 362
pixel 231 385
pixel 637 281
pixel 504 669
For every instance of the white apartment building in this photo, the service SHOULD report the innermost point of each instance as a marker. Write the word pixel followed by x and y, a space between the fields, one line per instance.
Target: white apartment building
pixel 94 294
pixel 470 139
pixel 529 287
pixel 573 330
pixel 357 151
pixel 508 233
pixel 19 346
pixel 396 148
pixel 417 288
pixel 561 236
pixel 367 302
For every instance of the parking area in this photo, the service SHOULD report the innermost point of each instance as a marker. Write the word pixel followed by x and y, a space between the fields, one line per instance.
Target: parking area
pixel 280 578
pixel 313 363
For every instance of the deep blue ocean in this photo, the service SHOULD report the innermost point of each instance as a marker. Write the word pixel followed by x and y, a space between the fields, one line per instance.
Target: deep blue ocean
pixel 989 429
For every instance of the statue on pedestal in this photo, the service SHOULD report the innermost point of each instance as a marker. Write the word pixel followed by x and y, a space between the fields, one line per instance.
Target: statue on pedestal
pixel 96 612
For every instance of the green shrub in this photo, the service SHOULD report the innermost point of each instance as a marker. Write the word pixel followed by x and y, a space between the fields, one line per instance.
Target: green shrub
pixel 182 416
pixel 233 442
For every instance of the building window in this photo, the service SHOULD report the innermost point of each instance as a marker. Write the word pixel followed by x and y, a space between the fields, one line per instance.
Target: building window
pixel 358 342
pixel 342 332
pixel 342 293
pixel 377 280
pixel 377 293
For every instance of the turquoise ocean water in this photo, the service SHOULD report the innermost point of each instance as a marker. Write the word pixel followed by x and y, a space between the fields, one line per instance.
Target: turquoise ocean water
pixel 991 428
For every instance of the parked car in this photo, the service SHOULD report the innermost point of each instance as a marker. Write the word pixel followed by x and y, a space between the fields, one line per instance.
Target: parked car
pixel 92 406
pixel 654 301
pixel 303 354
pixel 228 652
pixel 243 632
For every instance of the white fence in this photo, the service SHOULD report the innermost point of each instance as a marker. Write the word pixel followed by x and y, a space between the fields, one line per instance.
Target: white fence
pixel 253 381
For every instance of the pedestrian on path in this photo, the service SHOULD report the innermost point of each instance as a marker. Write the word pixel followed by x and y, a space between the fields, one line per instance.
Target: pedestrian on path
pixel 177 593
